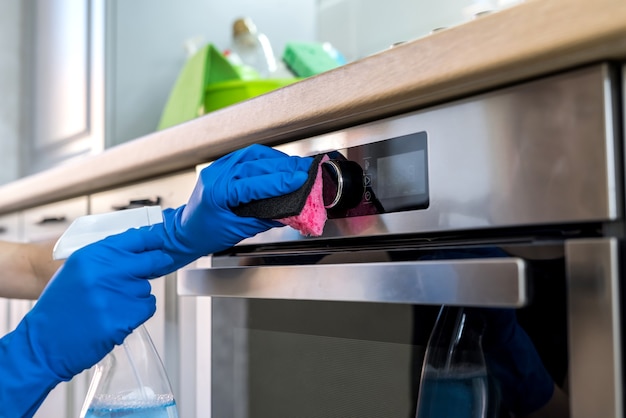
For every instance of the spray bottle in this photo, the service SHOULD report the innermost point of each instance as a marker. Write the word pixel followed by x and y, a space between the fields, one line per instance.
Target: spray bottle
pixel 130 381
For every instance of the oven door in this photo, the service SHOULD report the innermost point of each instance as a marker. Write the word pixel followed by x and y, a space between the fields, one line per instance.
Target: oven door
pixel 344 332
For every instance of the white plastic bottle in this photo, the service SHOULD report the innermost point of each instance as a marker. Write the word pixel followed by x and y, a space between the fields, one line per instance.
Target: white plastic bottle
pixel 253 47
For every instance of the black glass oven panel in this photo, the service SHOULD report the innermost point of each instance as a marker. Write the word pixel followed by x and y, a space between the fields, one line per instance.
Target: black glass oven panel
pixel 317 359
pixel 395 175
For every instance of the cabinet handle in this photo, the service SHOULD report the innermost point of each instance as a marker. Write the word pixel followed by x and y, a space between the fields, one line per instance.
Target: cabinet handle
pixel 51 220
pixel 138 203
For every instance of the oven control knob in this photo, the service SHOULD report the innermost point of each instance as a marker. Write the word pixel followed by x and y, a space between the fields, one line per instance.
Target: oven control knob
pixel 342 184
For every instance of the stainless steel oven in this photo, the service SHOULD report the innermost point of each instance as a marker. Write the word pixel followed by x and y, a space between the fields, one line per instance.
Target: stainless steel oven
pixel 512 199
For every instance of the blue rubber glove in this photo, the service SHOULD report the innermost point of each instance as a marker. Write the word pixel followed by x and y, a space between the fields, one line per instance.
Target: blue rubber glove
pixel 90 305
pixel 525 384
pixel 206 224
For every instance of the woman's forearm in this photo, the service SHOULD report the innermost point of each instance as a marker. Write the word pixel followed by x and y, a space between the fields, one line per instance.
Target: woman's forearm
pixel 26 268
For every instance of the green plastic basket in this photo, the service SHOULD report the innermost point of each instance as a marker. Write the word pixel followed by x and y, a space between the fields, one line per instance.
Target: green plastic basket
pixel 226 93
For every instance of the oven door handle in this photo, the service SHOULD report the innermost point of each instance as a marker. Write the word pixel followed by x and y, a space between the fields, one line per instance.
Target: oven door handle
pixel 488 282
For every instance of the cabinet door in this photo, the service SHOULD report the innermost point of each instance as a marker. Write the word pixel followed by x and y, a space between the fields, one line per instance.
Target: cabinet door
pixel 48 222
pixel 165 326
pixel 44 223
pixel 64 100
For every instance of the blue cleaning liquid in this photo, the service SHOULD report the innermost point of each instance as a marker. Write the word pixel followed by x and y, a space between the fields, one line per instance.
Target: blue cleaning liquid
pixel 119 410
pixel 462 395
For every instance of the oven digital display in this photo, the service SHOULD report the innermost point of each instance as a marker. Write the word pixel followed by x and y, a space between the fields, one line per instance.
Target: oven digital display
pixel 401 175
pixel 395 175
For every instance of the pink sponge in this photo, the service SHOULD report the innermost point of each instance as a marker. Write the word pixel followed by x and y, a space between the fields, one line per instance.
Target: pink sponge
pixel 302 209
pixel 313 216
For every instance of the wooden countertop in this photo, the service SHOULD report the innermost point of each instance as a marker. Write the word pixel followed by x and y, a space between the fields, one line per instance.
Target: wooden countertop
pixel 531 39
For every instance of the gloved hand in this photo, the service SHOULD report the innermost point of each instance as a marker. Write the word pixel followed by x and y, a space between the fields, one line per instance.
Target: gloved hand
pixel 206 224
pixel 90 305
pixel 525 384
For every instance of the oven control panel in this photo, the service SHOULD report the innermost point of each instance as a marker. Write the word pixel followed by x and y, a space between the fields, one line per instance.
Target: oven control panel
pixel 379 177
pixel 493 161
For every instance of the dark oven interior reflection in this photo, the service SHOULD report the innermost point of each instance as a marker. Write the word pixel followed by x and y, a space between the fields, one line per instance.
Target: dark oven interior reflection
pixel 308 358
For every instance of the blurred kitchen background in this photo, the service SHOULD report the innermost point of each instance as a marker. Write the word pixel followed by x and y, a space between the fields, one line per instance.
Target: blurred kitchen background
pixel 79 76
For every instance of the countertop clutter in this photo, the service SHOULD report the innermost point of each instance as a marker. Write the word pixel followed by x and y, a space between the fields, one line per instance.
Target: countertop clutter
pixel 531 39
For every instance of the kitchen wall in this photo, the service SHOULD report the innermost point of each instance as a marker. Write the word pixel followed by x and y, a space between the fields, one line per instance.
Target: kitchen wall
pixel 359 28
pixel 10 49
pixel 362 27
pixel 146 45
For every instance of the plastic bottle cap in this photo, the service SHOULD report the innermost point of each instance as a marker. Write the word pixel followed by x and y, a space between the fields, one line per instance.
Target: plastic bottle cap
pixel 243 25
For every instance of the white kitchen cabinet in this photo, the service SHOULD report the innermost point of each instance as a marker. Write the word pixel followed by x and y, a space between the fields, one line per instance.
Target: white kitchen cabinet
pixel 10 82
pixel 165 327
pixel 43 223
pixel 63 87
pixel 48 222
